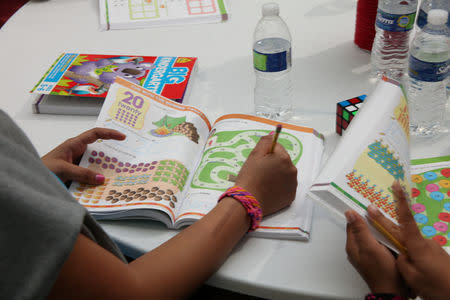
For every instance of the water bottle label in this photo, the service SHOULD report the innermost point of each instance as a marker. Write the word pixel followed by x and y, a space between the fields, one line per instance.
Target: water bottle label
pixel 396 23
pixel 273 62
pixel 428 71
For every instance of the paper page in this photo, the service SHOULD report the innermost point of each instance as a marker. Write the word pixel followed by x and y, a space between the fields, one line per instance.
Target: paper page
pixel 151 167
pixel 430 198
pixel 146 13
pixel 230 142
pixel 373 153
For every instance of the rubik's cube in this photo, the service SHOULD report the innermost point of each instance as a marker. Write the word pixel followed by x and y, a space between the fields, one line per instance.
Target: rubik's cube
pixel 345 112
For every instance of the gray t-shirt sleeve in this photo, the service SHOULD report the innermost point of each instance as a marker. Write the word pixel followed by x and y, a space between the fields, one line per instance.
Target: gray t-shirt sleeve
pixel 39 219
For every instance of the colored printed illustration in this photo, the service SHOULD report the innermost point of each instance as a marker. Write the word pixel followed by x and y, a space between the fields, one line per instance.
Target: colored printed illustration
pixel 379 197
pixel 226 152
pixel 153 9
pixel 373 174
pixel 133 182
pixel 384 157
pixel 402 116
pixel 144 9
pixel 431 204
pixel 175 126
pixel 88 75
pixel 201 7
pixel 102 73
pixel 129 109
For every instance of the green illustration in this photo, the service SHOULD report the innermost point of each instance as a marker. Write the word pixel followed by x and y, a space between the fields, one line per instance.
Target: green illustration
pixel 226 152
pixel 175 126
pixel 141 9
pixel 431 204
pixel 170 122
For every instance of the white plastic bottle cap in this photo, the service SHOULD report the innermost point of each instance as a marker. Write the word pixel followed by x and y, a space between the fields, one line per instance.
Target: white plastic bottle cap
pixel 437 16
pixel 270 9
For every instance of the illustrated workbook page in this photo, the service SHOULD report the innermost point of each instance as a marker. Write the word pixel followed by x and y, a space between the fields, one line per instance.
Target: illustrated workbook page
pixel 430 198
pixel 230 142
pixel 119 14
pixel 152 167
pixel 373 154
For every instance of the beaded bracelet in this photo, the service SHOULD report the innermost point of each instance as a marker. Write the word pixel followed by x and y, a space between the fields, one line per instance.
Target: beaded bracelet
pixel 381 296
pixel 249 202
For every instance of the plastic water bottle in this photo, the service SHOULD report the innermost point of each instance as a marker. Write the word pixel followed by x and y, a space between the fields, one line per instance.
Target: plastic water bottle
pixel 394 21
pixel 428 71
pixel 425 7
pixel 421 21
pixel 272 64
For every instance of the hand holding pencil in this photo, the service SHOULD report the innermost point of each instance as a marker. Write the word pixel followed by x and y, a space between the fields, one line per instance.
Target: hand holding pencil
pixel 270 177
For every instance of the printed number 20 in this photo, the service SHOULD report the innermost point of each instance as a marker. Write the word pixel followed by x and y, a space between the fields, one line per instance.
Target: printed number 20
pixel 136 101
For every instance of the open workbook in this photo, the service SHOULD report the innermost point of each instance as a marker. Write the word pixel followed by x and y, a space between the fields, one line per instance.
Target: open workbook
pixel 174 165
pixel 373 153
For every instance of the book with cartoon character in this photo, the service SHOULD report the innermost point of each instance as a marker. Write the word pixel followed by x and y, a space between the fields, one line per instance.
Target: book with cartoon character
pixel 78 83
pixel 174 164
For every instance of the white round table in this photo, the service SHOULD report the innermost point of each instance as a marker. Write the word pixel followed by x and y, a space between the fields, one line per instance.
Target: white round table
pixel 327 68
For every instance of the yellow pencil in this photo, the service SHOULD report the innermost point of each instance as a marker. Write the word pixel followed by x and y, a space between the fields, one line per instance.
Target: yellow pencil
pixel 275 137
pixel 389 236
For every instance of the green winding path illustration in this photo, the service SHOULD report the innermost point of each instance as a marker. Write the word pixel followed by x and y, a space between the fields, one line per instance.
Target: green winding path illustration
pixel 226 152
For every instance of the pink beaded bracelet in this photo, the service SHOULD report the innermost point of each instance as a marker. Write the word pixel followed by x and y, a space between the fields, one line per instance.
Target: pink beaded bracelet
pixel 249 202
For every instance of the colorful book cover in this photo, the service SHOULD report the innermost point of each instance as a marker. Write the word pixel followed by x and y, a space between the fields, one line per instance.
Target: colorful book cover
pixel 90 75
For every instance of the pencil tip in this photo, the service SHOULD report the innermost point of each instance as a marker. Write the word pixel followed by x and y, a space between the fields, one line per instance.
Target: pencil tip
pixel 279 126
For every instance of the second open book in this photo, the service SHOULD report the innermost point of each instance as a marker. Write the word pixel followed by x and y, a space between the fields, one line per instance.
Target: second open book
pixel 373 153
pixel 174 165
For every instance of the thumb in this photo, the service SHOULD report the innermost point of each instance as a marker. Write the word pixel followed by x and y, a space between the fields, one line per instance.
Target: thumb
pixel 357 226
pixel 83 175
pixel 358 234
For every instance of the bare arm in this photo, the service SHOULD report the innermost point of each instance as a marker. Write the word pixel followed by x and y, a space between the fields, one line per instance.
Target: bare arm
pixel 173 270
pixel 176 268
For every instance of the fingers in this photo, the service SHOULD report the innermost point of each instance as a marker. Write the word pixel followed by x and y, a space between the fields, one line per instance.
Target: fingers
pixel 263 146
pixel 73 172
pixel 358 233
pixel 411 236
pixel 375 214
pixel 90 136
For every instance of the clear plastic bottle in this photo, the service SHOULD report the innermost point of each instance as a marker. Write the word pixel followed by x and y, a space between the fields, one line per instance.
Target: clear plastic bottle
pixel 427 74
pixel 395 19
pixel 425 7
pixel 421 21
pixel 272 65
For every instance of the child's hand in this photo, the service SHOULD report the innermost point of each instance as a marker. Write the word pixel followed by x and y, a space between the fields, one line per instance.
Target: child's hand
pixel 62 160
pixel 373 261
pixel 270 177
pixel 426 268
